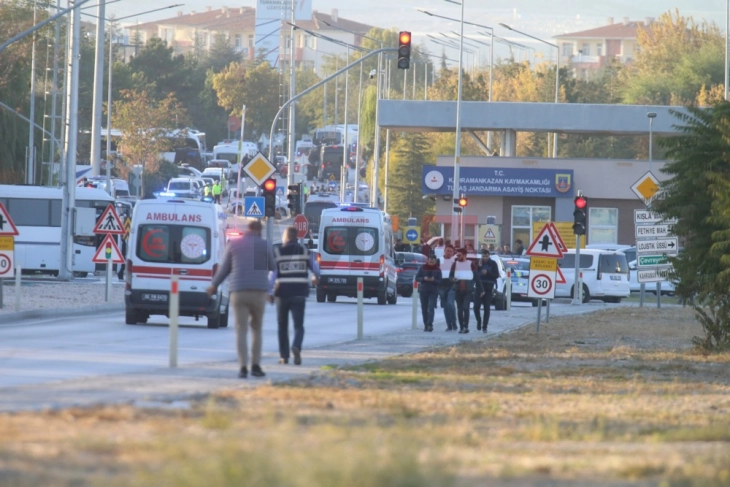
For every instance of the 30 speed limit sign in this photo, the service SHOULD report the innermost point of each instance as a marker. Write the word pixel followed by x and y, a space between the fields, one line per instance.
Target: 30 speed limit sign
pixel 541 285
pixel 6 263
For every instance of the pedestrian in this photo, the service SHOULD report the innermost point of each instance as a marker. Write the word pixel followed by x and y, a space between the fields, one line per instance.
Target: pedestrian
pixel 289 288
pixel 506 250
pixel 122 266
pixel 305 190
pixel 446 289
pixel 429 279
pixel 488 274
pixel 217 192
pixel 491 249
pixel 519 248
pixel 206 190
pixel 466 286
pixel 246 262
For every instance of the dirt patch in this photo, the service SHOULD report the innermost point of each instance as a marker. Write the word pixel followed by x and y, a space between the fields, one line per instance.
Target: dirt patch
pixel 617 397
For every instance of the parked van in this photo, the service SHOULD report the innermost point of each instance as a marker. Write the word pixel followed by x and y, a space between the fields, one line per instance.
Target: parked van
pixel 183 188
pixel 313 208
pixel 605 275
pixel 178 237
pixel 356 242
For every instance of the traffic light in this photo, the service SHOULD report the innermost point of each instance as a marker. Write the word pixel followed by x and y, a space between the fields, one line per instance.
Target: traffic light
pixel 404 50
pixel 270 197
pixel 461 202
pixel 580 215
pixel 295 198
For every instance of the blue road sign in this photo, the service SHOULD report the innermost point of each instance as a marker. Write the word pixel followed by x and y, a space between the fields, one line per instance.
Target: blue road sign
pixel 253 206
pixel 280 190
pixel 412 235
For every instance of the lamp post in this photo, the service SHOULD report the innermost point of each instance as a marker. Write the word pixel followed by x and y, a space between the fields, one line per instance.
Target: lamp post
pixel 457 148
pixel 557 75
pixel 727 34
pixel 651 116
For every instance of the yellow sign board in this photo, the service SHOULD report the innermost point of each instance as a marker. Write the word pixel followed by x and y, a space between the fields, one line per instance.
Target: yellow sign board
pixel 549 264
pixel 646 188
pixel 490 234
pixel 259 169
pixel 7 243
pixel 565 229
pixel 394 222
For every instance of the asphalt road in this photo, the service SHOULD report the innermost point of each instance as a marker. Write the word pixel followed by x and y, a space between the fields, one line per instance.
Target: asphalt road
pixel 55 361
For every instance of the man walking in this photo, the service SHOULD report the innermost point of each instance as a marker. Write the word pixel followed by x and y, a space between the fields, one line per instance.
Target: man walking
pixel 247 262
pixel 466 285
pixel 488 273
pixel 446 289
pixel 289 286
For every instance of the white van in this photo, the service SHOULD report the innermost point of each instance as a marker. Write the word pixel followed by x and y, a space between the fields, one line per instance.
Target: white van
pixel 356 242
pixel 178 237
pixel 605 275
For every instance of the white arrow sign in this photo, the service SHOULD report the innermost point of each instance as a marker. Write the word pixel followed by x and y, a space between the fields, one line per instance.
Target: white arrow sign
pixel 667 246
pixel 648 216
pixel 651 231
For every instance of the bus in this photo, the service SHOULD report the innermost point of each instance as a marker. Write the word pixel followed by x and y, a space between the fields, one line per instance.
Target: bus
pixel 36 213
pixel 187 146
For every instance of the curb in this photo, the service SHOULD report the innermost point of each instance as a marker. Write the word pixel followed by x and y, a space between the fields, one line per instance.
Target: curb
pixel 11 318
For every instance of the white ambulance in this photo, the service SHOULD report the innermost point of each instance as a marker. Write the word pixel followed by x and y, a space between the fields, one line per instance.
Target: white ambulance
pixel 356 242
pixel 179 237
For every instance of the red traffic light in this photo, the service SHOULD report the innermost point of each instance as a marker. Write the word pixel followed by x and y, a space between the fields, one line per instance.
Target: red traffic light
pixel 270 185
pixel 580 202
pixel 405 37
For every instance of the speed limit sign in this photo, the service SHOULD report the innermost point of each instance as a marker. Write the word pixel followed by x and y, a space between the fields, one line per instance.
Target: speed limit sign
pixel 6 263
pixel 541 285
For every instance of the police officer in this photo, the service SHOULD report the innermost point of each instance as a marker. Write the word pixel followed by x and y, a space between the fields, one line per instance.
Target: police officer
pixel 289 287
pixel 217 192
pixel 206 190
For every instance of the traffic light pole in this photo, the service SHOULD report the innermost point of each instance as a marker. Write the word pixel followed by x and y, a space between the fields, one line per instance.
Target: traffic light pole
pixel 577 283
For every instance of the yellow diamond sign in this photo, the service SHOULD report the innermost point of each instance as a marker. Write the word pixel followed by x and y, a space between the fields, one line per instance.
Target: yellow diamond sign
pixel 259 169
pixel 646 188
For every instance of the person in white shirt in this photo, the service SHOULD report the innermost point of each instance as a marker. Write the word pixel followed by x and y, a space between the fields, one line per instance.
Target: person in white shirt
pixel 446 289
pixel 467 285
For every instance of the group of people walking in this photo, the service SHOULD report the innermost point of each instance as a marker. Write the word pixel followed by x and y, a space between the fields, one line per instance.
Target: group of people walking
pixel 457 281
pixel 257 273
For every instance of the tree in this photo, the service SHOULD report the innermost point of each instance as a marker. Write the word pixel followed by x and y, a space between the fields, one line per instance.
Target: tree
pixel 408 155
pixel 239 85
pixel 144 124
pixel 697 195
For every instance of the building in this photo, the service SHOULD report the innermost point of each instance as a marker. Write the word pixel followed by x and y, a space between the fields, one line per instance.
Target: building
pixel 198 31
pixel 590 50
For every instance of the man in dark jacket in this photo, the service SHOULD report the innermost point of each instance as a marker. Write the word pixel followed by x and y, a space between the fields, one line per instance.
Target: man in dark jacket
pixel 289 286
pixel 466 285
pixel 429 279
pixel 488 274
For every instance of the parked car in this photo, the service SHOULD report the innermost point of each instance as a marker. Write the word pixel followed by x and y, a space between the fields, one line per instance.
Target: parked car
pixel 519 268
pixel 407 264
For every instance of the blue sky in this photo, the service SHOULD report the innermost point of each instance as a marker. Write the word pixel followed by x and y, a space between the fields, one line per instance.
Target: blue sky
pixel 539 18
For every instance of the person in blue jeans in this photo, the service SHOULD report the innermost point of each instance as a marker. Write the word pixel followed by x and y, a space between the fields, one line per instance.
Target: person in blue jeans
pixel 446 289
pixel 428 278
pixel 488 271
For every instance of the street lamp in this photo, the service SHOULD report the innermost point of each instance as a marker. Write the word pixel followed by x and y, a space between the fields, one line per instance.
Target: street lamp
pixel 557 75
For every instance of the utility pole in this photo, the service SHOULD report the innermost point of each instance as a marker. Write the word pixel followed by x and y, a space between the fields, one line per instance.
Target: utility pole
pixel 292 107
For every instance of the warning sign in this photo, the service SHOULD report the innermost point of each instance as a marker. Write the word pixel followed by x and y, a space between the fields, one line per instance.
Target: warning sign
pixel 108 249
pixel 545 244
pixel 7 227
pixel 109 222
pixel 490 234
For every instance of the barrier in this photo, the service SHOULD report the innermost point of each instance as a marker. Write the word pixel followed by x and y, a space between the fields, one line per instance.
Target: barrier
pixel 17 288
pixel 414 311
pixel 174 313
pixel 359 307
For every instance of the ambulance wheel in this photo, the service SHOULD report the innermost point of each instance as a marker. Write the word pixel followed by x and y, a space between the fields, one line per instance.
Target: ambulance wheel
pixel 331 298
pixel 393 298
pixel 382 297
pixel 132 317
pixel 214 320
pixel 321 296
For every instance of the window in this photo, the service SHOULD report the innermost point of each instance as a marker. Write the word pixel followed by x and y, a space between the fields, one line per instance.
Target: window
pixel 586 49
pixel 250 41
pixel 174 244
pixel 568 49
pixel 603 225
pixel 568 261
pixel 613 264
pixel 599 49
pixel 351 241
pixel 33 213
pixel 523 220
pixel 238 41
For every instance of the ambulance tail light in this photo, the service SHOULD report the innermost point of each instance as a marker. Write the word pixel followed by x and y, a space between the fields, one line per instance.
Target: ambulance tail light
pixel 318 257
pixel 382 266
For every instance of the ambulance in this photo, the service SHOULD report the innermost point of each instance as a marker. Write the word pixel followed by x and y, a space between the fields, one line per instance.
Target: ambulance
pixel 175 237
pixel 356 242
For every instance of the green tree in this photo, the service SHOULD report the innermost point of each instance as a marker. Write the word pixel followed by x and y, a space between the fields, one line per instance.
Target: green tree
pixel 697 195
pixel 408 155
pixel 144 123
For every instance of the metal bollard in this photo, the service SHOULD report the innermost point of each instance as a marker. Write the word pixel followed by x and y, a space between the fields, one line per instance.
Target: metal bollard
pixel 174 312
pixel 359 308
pixel 508 292
pixel 414 315
pixel 17 288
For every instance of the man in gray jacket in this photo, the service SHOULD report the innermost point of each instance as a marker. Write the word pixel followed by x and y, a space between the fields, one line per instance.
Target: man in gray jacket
pixel 247 262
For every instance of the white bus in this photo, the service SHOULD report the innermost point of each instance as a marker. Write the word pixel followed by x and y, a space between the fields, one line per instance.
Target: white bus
pixel 188 146
pixel 36 213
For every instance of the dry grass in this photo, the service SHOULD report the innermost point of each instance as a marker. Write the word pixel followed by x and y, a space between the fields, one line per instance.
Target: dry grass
pixel 612 398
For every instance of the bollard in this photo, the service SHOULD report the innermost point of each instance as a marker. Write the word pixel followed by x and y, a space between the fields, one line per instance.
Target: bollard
pixel 642 290
pixel 658 294
pixel 359 308
pixel 547 310
pixel 174 311
pixel 539 311
pixel 109 264
pixel 17 288
pixel 580 287
pixel 414 314
pixel 508 292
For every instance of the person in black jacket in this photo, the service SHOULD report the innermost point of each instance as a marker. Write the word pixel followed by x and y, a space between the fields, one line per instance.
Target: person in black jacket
pixel 466 285
pixel 488 274
pixel 429 279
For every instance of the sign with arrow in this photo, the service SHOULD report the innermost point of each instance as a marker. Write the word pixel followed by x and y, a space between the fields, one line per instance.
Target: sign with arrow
pixel 669 246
